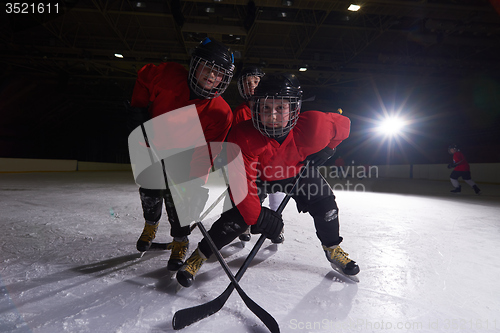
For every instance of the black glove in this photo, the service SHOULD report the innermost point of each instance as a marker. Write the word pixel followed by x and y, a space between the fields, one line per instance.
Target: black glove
pixel 136 116
pixel 452 165
pixel 320 158
pixel 269 223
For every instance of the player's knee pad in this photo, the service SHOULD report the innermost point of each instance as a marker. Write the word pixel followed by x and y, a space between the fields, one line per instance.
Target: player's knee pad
pixel 325 209
pixel 325 214
pixel 229 226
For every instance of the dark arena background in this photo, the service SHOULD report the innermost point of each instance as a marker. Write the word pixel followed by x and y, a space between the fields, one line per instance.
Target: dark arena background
pixel 432 63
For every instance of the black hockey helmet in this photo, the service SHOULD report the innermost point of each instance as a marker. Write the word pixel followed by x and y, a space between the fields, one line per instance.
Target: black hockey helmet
pixel 273 91
pixel 242 82
pixel 211 68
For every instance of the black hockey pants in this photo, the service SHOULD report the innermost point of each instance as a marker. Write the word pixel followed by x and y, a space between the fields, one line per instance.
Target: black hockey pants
pixel 152 202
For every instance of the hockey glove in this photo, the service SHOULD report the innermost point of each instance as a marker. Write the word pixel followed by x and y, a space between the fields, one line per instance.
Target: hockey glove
pixel 321 157
pixel 452 165
pixel 269 223
pixel 136 116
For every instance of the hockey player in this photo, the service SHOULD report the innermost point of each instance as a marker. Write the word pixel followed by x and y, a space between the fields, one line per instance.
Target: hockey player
pixel 274 147
pixel 460 168
pixel 167 87
pixel 248 80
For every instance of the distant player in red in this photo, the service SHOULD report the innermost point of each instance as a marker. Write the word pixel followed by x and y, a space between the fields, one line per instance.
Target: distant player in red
pixel 167 87
pixel 247 82
pixel 460 169
pixel 275 145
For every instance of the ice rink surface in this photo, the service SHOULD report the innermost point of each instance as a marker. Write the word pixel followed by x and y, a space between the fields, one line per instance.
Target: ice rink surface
pixel 429 262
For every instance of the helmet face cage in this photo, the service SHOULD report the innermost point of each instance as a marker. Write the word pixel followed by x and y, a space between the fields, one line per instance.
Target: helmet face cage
pixel 207 79
pixel 211 69
pixel 275 116
pixel 244 86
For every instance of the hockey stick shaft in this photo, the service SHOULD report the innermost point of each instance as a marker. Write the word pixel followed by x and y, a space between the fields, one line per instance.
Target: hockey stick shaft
pixel 188 316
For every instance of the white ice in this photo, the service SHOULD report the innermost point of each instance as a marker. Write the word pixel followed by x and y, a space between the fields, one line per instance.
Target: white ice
pixel 429 262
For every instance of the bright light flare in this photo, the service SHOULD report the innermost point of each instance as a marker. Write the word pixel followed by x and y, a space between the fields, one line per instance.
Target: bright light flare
pixel 391 126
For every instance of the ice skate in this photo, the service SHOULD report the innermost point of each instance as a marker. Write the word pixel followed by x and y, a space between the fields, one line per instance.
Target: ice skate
pixel 179 247
pixel 147 236
pixel 340 262
pixel 187 273
pixel 476 189
pixel 457 189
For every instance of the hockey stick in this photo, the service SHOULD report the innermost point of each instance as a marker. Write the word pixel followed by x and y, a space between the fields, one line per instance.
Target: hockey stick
pixel 262 314
pixel 188 316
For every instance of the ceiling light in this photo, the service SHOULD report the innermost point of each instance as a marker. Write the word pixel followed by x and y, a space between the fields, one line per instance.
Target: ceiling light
pixel 210 10
pixel 287 3
pixel 140 4
pixel 303 68
pixel 119 55
pixel 281 14
pixel 354 8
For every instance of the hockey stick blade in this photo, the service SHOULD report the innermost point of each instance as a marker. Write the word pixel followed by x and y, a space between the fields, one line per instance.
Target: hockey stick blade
pixel 188 316
pixel 262 314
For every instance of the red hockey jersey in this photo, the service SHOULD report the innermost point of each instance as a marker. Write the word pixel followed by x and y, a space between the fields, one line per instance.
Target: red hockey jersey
pixel 265 158
pixel 165 88
pixel 459 158
pixel 242 113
